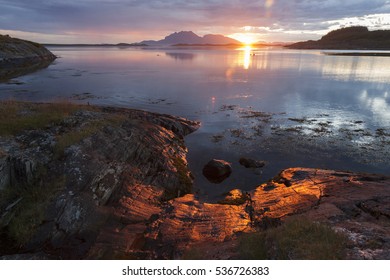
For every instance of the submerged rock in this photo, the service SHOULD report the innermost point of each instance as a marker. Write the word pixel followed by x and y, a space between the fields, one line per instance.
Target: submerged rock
pixel 216 170
pixel 251 163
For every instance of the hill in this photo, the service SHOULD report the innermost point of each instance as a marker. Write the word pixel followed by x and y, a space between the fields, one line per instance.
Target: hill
pixel 13 50
pixel 356 37
pixel 19 57
pixel 190 38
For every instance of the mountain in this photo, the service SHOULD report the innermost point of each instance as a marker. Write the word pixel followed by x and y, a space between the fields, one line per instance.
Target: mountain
pixel 190 38
pixel 355 37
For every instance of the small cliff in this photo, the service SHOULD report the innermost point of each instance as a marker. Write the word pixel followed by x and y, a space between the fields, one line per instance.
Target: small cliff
pixel 18 57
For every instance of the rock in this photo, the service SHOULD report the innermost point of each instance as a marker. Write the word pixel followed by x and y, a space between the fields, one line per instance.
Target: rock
pixel 217 170
pixel 106 186
pixel 19 57
pixel 318 195
pixel 4 171
pixel 251 163
pixel 234 197
pixel 124 192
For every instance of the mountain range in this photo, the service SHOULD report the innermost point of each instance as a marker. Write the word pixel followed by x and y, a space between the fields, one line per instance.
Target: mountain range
pixel 190 38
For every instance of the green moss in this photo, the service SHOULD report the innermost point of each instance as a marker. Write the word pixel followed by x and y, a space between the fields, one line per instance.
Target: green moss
pixel 183 173
pixel 185 180
pixel 295 239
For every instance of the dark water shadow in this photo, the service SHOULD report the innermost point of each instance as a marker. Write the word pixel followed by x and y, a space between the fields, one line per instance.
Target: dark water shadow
pixel 181 56
pixel 9 71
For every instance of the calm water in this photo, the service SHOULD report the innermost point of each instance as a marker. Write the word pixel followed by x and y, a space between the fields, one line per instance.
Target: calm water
pixel 316 110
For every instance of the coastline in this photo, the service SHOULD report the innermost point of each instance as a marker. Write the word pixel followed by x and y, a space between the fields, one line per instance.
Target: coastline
pixel 123 190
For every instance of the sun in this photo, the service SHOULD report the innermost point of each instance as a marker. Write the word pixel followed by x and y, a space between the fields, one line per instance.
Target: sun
pixel 246 38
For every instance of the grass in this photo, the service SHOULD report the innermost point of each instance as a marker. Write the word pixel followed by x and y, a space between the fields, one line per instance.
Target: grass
pixel 18 116
pixel 193 253
pixel 22 220
pixel 296 239
pixel 185 180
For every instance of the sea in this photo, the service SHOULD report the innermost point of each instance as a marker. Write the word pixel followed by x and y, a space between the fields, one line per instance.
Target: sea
pixel 288 108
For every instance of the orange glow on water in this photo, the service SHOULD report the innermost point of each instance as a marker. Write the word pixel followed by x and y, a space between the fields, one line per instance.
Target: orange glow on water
pixel 247 57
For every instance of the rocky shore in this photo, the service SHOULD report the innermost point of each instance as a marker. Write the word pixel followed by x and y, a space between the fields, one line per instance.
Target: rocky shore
pixel 110 183
pixel 19 57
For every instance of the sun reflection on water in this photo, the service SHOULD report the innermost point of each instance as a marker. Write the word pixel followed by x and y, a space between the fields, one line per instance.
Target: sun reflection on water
pixel 247 57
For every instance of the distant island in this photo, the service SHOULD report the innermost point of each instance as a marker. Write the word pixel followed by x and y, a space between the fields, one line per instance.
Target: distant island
pixel 356 38
pixel 177 39
pixel 188 38
pixel 120 45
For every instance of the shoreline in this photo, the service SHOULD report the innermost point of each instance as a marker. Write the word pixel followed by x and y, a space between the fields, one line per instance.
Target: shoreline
pixel 126 168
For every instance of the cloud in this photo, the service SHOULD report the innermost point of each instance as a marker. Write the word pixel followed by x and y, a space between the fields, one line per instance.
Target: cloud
pixel 153 19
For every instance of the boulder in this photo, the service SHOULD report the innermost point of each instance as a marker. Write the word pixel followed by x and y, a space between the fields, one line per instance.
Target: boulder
pixel 217 170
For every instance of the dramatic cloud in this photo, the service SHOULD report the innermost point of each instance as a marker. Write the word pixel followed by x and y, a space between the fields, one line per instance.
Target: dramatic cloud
pixel 135 20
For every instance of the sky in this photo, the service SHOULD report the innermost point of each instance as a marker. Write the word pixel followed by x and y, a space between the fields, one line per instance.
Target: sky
pixel 115 21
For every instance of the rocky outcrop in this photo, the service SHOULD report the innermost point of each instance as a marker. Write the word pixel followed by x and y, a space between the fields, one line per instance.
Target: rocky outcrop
pixel 19 57
pixel 123 191
pixel 103 187
pixel 357 204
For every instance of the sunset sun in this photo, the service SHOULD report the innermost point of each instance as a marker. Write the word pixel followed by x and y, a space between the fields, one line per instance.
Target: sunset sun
pixel 245 38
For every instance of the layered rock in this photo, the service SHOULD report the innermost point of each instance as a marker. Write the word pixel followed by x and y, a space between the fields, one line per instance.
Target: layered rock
pixel 106 186
pixel 354 203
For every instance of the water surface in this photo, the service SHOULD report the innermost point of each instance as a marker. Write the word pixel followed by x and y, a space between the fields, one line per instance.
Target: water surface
pixel 287 107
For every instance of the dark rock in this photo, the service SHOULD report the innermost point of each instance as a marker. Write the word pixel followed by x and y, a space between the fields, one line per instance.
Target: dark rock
pixel 251 163
pixel 104 189
pixel 20 57
pixel 217 170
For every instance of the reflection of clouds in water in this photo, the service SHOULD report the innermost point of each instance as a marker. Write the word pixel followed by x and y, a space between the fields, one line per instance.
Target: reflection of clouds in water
pixel 355 68
pixel 377 105
pixel 240 96
pixel 342 68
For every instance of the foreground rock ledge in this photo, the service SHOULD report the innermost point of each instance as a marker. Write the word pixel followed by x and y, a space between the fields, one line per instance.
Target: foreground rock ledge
pixel 104 172
pixel 355 203
pixel 124 192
